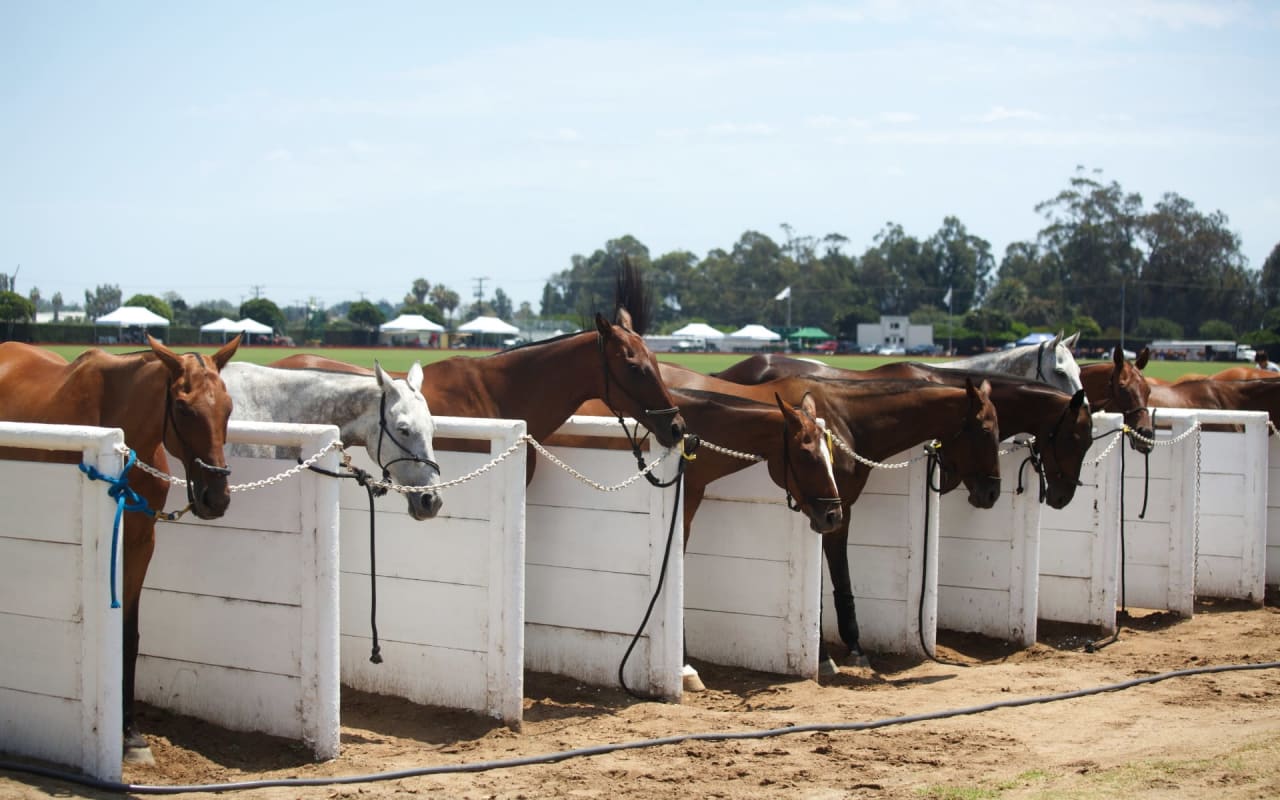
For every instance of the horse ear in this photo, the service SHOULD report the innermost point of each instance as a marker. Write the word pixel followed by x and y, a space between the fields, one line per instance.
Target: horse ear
pixel 384 380
pixel 1143 358
pixel 1077 400
pixel 1117 356
pixel 1057 338
pixel 1071 340
pixel 602 325
pixel 225 353
pixel 624 319
pixel 809 405
pixel 414 378
pixel 787 411
pixel 170 358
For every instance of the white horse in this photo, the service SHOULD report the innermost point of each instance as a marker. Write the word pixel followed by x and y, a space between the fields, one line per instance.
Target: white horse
pixel 388 416
pixel 1049 362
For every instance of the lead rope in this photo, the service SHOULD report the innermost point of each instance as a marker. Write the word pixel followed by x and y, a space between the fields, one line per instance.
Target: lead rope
pixel 363 478
pixel 678 481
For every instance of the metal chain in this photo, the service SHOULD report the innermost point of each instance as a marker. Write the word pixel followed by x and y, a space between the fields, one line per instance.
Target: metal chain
pixel 1018 444
pixel 599 486
pixel 1195 428
pixel 1119 435
pixel 520 442
pixel 289 473
pixel 733 453
pixel 843 445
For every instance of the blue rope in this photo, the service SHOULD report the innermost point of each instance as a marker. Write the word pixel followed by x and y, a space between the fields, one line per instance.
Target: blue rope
pixel 126 500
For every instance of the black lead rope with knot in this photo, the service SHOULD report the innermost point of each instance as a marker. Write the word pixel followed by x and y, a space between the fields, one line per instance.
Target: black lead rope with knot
pixel 366 480
pixel 1037 465
pixel 691 443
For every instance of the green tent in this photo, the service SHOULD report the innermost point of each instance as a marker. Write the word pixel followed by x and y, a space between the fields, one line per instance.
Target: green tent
pixel 809 333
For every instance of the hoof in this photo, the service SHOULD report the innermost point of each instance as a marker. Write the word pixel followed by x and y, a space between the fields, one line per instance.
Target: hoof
pixel 139 755
pixel 857 660
pixel 827 667
pixel 690 680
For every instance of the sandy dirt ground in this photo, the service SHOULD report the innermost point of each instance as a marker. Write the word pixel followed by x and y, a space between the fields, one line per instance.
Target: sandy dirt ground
pixel 1202 736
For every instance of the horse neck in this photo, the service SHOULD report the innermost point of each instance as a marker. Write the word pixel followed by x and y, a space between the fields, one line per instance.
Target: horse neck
pixel 135 396
pixel 885 424
pixel 543 384
pixel 1023 409
pixel 756 430
pixel 351 402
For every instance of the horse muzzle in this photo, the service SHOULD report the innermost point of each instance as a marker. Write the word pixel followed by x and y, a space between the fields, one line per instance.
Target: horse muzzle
pixel 667 426
pixel 1058 496
pixel 825 516
pixel 424 505
pixel 210 499
pixel 984 493
pixel 1141 446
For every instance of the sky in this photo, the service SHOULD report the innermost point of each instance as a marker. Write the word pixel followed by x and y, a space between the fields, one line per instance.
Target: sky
pixel 332 152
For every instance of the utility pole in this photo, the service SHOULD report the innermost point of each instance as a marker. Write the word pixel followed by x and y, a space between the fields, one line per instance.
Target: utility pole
pixel 480 290
pixel 257 291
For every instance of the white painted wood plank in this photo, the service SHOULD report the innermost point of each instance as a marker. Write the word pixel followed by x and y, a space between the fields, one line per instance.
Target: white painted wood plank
pixel 457 677
pixel 48 660
pixel 221 631
pixel 425 612
pixel 40 579
pixel 587 600
pixel 193 558
pixel 238 699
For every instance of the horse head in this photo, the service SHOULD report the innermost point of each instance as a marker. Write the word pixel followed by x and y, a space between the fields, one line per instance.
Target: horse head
pixel 1129 395
pixel 809 480
pixel 1057 366
pixel 972 454
pixel 403 444
pixel 1062 445
pixel 197 408
pixel 632 383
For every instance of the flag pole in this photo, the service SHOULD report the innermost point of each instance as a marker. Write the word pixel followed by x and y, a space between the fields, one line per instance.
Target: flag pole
pixel 950 323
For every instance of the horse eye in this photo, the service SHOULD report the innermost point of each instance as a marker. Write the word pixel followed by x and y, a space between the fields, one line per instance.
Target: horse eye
pixel 403 427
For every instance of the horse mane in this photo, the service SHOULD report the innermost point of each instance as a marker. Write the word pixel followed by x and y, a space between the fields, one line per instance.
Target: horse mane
pixel 631 292
pixel 721 399
pixel 978 376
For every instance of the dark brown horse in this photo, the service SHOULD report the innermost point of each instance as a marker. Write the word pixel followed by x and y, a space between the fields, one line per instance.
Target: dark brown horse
pixel 1121 388
pixel 786 437
pixel 162 401
pixel 1060 422
pixel 880 419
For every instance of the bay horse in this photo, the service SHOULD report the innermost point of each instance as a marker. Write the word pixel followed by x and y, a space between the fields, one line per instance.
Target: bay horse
pixel 1120 388
pixel 162 401
pixel 1060 422
pixel 880 419
pixel 388 416
pixel 1244 374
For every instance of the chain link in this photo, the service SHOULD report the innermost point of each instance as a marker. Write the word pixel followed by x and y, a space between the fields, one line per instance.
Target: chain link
pixel 1116 439
pixel 390 485
pixel 843 445
pixel 289 473
pixel 732 453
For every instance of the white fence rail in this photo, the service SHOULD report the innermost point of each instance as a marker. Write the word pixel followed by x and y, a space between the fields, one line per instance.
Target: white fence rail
pixel 753 577
pixel 450 589
pixel 239 615
pixel 60 668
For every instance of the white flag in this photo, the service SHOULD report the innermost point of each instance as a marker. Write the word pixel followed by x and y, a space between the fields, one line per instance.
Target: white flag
pixel 783 295
pixel 946 298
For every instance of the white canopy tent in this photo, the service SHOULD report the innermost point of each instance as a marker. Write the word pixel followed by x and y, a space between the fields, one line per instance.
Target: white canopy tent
pixel 488 329
pixel 757 332
pixel 221 325
pixel 130 317
pixel 698 330
pixel 407 329
pixel 248 325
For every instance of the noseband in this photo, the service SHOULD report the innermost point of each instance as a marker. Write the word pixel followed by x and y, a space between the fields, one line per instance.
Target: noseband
pixel 384 431
pixel 792 503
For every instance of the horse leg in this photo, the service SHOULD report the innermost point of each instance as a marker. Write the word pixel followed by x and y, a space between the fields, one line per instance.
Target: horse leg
pixel 693 492
pixel 836 548
pixel 139 543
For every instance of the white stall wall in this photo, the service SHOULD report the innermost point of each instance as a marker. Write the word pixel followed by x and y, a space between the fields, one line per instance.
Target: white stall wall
pixel 895 585
pixel 1079 544
pixel 60 669
pixel 988 562
pixel 450 589
pixel 239 615
pixel 594 561
pixel 1273 511
pixel 1159 547
pixel 753 577
pixel 1233 468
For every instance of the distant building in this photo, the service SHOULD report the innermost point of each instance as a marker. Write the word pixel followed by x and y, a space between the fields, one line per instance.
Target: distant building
pixel 894 332
pixel 75 315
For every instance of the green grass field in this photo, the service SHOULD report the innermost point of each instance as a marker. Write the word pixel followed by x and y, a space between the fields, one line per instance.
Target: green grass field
pixel 401 358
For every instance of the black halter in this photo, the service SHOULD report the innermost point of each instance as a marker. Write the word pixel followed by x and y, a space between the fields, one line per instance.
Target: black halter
pixel 383 430
pixel 792 503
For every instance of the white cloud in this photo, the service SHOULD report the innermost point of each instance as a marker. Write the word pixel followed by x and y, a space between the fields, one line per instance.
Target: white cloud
pixel 897 117
pixel 725 129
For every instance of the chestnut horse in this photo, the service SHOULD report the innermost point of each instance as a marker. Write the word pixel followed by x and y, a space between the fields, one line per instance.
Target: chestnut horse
pixel 1059 421
pixel 543 383
pixel 880 419
pixel 1121 388
pixel 162 401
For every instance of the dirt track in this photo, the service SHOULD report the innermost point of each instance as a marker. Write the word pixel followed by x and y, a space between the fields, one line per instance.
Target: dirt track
pixel 1213 736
